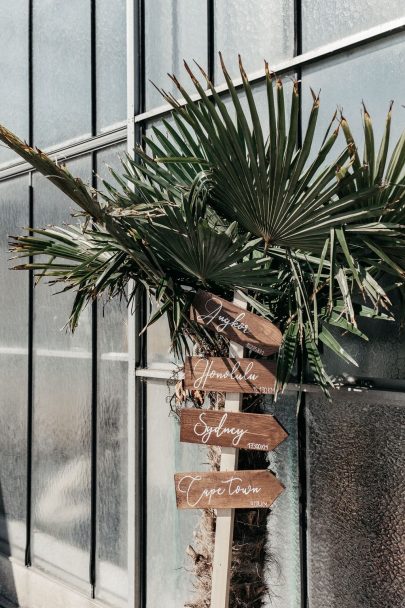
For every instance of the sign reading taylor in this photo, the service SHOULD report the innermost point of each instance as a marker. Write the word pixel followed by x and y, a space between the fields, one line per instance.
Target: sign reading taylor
pixel 239 325
pixel 226 490
pixel 231 429
pixel 229 375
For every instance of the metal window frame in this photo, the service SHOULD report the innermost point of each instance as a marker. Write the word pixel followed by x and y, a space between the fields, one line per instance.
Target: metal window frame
pixel 30 577
pixel 118 134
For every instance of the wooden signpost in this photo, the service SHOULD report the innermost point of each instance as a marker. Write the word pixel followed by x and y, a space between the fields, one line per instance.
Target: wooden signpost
pixel 229 488
pixel 227 429
pixel 226 490
pixel 239 325
pixel 229 375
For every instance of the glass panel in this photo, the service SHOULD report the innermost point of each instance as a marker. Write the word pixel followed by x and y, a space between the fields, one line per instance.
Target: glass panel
pixel 62 414
pixel 346 80
pixel 283 541
pixel 324 22
pixel 175 30
pixel 112 442
pixel 158 344
pixel 355 493
pixel 13 71
pixel 257 30
pixel 110 62
pixel 13 372
pixel 349 78
pixel 62 70
pixel 169 530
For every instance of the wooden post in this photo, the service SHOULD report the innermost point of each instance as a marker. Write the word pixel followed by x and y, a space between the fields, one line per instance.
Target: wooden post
pixel 221 563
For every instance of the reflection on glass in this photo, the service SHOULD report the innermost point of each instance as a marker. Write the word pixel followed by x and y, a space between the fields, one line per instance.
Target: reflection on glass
pixel 257 30
pixel 13 71
pixel 110 62
pixel 13 372
pixel 62 414
pixel 62 70
pixel 324 22
pixel 175 30
pixel 355 478
pixel 169 531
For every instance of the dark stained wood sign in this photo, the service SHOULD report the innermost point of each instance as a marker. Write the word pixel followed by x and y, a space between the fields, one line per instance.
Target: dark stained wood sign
pixel 239 325
pixel 229 375
pixel 231 429
pixel 226 489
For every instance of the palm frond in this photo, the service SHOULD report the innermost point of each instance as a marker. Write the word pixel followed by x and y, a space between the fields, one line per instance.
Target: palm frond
pixel 212 202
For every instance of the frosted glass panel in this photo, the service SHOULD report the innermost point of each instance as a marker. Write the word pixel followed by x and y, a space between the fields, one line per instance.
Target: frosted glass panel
pixel 13 372
pixel 112 438
pixel 257 30
pixel 283 535
pixel 326 21
pixel 349 78
pixel 169 531
pixel 175 30
pixel 112 454
pixel 158 344
pixel 355 501
pixel 13 71
pixel 62 70
pixel 110 62
pixel 62 414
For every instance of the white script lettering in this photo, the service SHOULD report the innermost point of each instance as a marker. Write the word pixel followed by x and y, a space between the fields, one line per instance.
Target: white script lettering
pixel 203 430
pixel 222 320
pixel 230 487
pixel 235 373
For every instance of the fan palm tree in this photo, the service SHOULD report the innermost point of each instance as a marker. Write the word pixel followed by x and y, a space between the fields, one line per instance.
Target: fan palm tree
pixel 312 239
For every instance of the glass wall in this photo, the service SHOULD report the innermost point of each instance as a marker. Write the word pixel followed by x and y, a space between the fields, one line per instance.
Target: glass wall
pixel 63 399
pixel 13 373
pixel 61 71
pixel 256 30
pixel 14 71
pixel 355 500
pixel 324 22
pixel 112 430
pixel 61 443
pixel 66 490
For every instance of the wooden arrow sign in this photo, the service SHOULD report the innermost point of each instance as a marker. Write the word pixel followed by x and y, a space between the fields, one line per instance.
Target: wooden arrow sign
pixel 239 325
pixel 226 490
pixel 229 429
pixel 231 375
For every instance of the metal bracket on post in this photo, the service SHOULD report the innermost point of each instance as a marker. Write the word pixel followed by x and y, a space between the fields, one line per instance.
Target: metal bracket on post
pixel 221 563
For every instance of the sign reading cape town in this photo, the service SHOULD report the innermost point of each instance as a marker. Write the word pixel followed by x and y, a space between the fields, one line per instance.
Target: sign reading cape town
pixel 229 375
pixel 239 325
pixel 226 490
pixel 231 429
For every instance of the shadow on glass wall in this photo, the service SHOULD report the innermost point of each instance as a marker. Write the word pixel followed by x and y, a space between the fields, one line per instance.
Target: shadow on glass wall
pixel 7 585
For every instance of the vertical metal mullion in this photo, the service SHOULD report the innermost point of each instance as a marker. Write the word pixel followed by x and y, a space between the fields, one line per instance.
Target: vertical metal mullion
pixel 301 419
pixel 211 39
pixel 141 358
pixel 94 349
pixel 298 51
pixel 136 345
pixel 28 560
